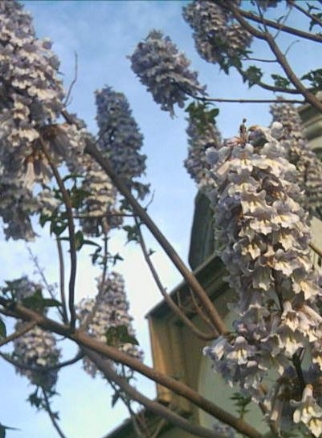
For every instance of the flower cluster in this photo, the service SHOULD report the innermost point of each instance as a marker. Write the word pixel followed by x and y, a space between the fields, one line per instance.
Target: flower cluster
pixel 301 155
pixel 99 212
pixel 35 351
pixel 217 37
pixel 165 71
pixel 31 102
pixel 109 309
pixel 262 236
pixel 199 139
pixel 119 137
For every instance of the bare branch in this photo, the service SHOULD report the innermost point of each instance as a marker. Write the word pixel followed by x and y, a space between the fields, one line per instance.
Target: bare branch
pixel 112 353
pixel 62 279
pixel 281 27
pixel 66 103
pixel 176 309
pixel 266 36
pixel 152 406
pixel 24 329
pixel 307 13
pixel 71 233
pixel 52 415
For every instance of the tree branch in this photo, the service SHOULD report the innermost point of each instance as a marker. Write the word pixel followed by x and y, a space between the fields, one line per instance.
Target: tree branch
pixel 71 233
pixel 112 353
pixel 152 406
pixel 176 309
pixel 216 319
pixel 281 27
pixel 26 328
pixel 281 58
pixel 52 416
pixel 62 279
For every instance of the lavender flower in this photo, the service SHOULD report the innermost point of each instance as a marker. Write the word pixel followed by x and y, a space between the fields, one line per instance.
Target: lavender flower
pixel 216 35
pixel 308 412
pixel 31 102
pixel 109 309
pixel 120 138
pixel 300 154
pixel 35 351
pixel 165 72
pixel 262 236
pixel 196 163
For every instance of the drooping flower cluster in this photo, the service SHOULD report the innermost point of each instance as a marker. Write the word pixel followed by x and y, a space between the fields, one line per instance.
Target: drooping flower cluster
pixel 35 351
pixel 262 236
pixel 199 139
pixel 110 309
pixel 165 71
pixel 302 156
pixel 217 37
pixel 31 100
pixel 99 213
pixel 119 138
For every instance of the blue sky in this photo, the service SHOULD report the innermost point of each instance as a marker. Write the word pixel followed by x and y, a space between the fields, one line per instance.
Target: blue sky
pixel 103 33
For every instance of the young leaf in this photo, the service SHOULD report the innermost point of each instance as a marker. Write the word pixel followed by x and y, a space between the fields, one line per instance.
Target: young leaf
pixel 38 302
pixel 116 336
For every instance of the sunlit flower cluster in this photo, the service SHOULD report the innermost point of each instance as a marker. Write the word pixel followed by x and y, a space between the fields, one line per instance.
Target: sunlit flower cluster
pixel 302 156
pixel 262 235
pixel 216 35
pixel 165 71
pixel 199 139
pixel 109 309
pixel 119 137
pixel 35 351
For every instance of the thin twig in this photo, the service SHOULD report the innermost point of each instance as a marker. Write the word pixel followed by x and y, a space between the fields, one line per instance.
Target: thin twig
pixel 287 29
pixel 42 369
pixel 152 406
pixel 176 309
pixel 52 415
pixel 66 103
pixel 62 279
pixel 26 328
pixel 71 232
pixel 307 13
pixel 44 279
pixel 266 36
pixel 197 308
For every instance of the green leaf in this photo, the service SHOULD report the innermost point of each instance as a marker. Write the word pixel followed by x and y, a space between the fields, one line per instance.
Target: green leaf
pixel 58 228
pixel 280 81
pixel 77 196
pixel 34 400
pixel 252 75
pixel 79 240
pixel 119 335
pixel 38 302
pixel 315 77
pixel 115 399
pixel 3 330
pixel 132 233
